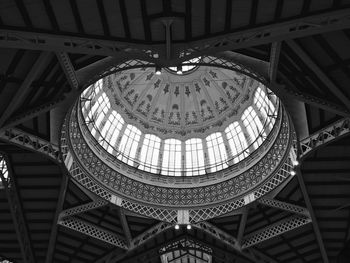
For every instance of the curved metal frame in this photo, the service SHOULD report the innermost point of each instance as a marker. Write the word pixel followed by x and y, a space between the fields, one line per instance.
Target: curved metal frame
pixel 167 203
pixel 267 122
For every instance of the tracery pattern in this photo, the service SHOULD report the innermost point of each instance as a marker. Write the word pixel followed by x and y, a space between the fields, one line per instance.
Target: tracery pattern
pixel 172 156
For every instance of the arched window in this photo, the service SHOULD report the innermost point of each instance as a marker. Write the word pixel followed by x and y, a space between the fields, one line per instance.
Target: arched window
pixel 265 106
pixel 237 141
pixel 110 131
pixel 128 144
pixel 254 126
pixel 150 153
pixel 172 164
pixel 217 152
pixel 194 157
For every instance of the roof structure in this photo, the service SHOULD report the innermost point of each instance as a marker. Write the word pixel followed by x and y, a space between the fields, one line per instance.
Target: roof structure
pixel 51 51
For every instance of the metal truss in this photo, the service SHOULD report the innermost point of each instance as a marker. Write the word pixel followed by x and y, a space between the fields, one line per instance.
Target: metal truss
pixel 219 234
pixel 93 231
pixel 23 90
pixel 187 243
pixel 31 142
pixel 149 234
pixel 324 136
pixel 319 72
pixel 284 206
pixel 70 44
pixel 274 230
pixel 68 69
pixel 312 216
pixel 31 113
pixel 16 211
pixel 59 207
pixel 232 242
pixel 83 208
pixel 295 28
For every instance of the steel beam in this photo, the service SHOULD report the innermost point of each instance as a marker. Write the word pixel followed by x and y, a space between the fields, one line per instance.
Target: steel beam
pixel 274 59
pixel 219 234
pixel 149 234
pixel 229 240
pixel 274 230
pixel 31 142
pixel 242 225
pixel 16 208
pixel 283 90
pixel 31 113
pixel 295 209
pixel 137 241
pixel 319 73
pixel 324 136
pixel 23 90
pixel 95 45
pixel 68 69
pixel 59 206
pixel 82 208
pixel 91 45
pixel 93 231
pixel 312 215
pixel 125 225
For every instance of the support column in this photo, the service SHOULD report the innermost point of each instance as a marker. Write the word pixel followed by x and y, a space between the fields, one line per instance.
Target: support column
pixel 230 160
pixel 249 140
pixel 138 151
pixel 206 156
pixel 161 155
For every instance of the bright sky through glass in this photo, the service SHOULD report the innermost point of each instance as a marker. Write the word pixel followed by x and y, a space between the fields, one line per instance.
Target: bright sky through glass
pixel 173 157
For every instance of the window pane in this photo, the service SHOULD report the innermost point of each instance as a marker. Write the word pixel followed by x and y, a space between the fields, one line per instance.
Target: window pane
pixel 171 164
pixel 254 126
pixel 217 152
pixel 265 106
pixel 194 157
pixel 128 144
pixel 237 142
pixel 150 153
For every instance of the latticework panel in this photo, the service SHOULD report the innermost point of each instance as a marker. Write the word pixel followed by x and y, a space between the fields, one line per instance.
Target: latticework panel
pixel 284 206
pixel 93 231
pixel 273 230
pixel 324 136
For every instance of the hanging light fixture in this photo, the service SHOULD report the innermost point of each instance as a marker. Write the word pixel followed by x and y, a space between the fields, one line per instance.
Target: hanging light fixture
pixel 158 70
pixel 179 69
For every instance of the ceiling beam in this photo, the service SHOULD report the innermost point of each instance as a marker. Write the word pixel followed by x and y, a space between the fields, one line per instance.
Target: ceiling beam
pixel 274 230
pixel 274 59
pixel 59 207
pixel 23 90
pixel 319 73
pixel 68 69
pixel 31 142
pixel 242 225
pixel 16 209
pixel 295 209
pixel 32 113
pixel 93 231
pixel 324 136
pixel 125 226
pixel 294 28
pixel 83 208
pixel 312 215
pixel 15 37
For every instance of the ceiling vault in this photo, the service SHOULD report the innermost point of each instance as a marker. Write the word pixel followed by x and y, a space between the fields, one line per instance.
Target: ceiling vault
pixel 22 92
pixel 19 220
pixel 312 215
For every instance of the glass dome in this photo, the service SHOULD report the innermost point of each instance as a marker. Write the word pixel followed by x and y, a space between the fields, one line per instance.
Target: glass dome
pixel 188 125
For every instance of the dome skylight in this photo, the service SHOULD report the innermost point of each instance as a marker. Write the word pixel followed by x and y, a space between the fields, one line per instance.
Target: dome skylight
pixel 191 146
pixel 211 149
